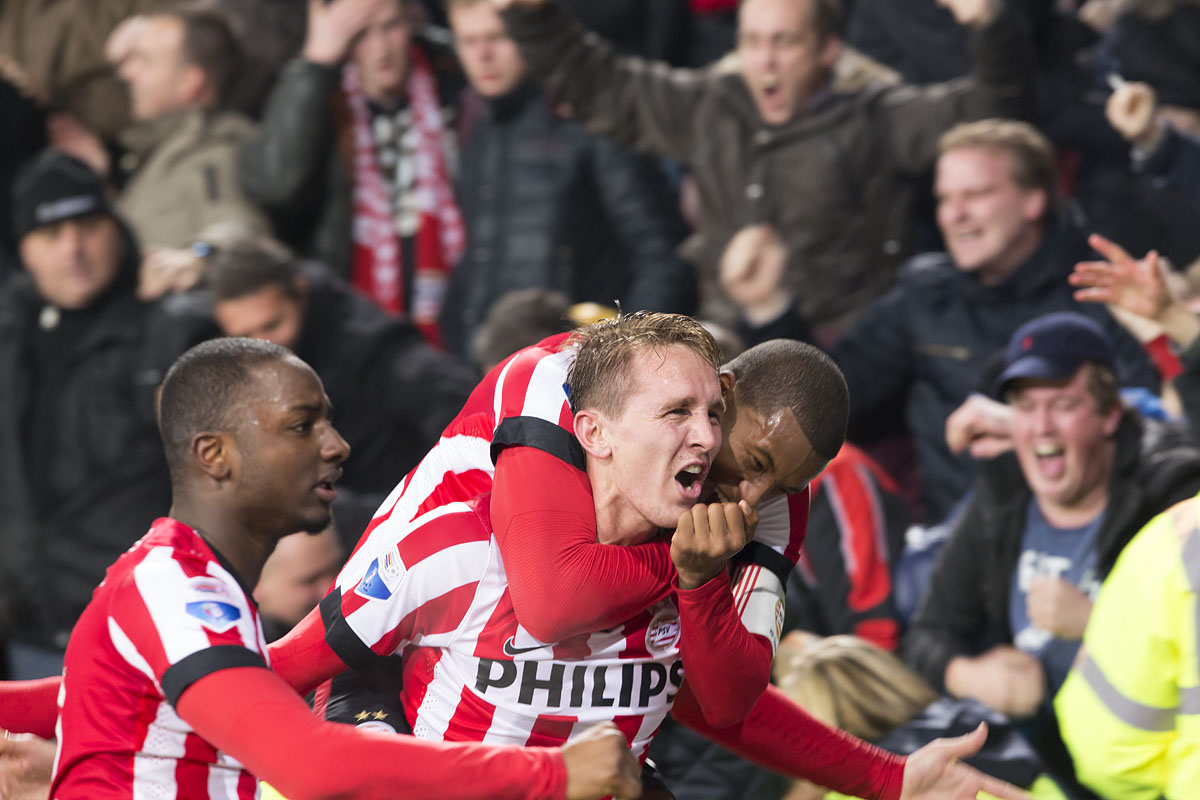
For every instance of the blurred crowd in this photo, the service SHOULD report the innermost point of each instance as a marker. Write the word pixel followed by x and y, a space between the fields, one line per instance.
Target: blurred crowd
pixel 987 212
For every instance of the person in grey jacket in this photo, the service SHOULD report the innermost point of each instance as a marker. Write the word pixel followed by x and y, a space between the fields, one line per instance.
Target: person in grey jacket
pixel 775 143
pixel 549 205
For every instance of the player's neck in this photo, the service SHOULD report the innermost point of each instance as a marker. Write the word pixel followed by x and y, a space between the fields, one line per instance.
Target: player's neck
pixel 246 550
pixel 617 521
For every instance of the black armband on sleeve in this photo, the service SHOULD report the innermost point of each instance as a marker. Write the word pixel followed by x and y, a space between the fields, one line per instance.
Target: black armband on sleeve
pixel 340 637
pixel 541 434
pixel 183 673
pixel 758 553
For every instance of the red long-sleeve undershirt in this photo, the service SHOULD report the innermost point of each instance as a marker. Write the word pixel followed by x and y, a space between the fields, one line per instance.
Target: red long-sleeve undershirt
pixel 724 664
pixel 251 714
pixel 30 706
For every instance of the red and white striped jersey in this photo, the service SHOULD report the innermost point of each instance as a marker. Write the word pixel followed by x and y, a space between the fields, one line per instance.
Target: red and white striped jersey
pixel 512 406
pixel 167 614
pixel 436 591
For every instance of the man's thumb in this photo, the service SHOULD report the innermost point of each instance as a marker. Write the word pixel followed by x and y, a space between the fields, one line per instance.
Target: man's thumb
pixel 968 744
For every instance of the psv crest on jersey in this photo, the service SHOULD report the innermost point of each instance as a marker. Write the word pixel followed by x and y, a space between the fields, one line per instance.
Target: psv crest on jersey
pixel 662 633
pixel 209 601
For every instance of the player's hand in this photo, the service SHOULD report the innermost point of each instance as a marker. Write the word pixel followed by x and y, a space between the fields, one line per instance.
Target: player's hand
pixel 752 271
pixel 981 426
pixel 707 536
pixel 972 13
pixel 1132 109
pixel 26 763
pixel 1004 678
pixel 936 772
pixel 333 26
pixel 1058 607
pixel 599 763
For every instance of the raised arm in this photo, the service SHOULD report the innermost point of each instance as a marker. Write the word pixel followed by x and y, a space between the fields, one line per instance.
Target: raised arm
pixel 638 103
pixel 1000 84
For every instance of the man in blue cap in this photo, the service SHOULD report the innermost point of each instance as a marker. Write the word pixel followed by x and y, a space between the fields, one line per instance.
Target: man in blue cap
pixel 1009 599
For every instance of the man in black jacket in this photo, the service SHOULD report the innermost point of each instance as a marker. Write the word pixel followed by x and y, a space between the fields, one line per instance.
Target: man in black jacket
pixel 1009 598
pixel 81 464
pixel 392 392
pixel 923 345
pixel 549 205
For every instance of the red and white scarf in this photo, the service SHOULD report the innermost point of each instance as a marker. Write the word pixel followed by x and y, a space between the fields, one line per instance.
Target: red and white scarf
pixel 378 268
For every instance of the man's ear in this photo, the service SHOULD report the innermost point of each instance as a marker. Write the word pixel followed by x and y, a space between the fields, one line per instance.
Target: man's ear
pixel 1112 420
pixel 590 431
pixel 215 454
pixel 728 389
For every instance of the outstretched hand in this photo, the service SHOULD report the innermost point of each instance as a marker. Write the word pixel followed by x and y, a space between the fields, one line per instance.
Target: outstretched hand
pixel 1136 285
pixel 935 772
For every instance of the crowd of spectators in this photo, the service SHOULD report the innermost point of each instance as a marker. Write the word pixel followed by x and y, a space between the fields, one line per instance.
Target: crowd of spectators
pixel 943 194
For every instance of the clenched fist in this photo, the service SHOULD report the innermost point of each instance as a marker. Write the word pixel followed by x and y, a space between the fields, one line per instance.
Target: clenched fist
pixel 707 536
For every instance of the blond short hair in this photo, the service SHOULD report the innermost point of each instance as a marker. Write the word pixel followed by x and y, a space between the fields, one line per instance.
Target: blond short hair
pixel 850 684
pixel 1033 158
pixel 599 377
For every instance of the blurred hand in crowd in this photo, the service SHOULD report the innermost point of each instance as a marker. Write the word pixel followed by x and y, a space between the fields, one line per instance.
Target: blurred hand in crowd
pixel 333 26
pixel 972 13
pixel 66 133
pixel 124 36
pixel 1099 15
pixel 751 273
pixel 1132 110
pixel 166 270
pixel 1144 287
pixel 980 426
pixel 26 765
pixel 1058 607
pixel 503 4
pixel 1136 285
pixel 1004 678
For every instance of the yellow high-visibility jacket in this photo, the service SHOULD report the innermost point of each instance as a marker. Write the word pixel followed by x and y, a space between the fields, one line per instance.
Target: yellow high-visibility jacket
pixel 1130 709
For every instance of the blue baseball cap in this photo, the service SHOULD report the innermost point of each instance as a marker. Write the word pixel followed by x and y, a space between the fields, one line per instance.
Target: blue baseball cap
pixel 1053 347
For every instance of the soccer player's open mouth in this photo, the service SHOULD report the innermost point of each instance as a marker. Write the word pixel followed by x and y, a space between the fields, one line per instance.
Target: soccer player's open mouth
pixel 690 479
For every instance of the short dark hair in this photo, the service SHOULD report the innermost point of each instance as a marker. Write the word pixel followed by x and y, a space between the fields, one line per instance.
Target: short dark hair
pixel 520 319
pixel 249 265
pixel 788 374
pixel 210 44
pixel 203 389
pixel 599 376
pixel 828 18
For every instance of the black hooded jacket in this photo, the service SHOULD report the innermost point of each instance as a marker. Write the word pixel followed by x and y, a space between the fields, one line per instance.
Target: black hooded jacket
pixel 82 471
